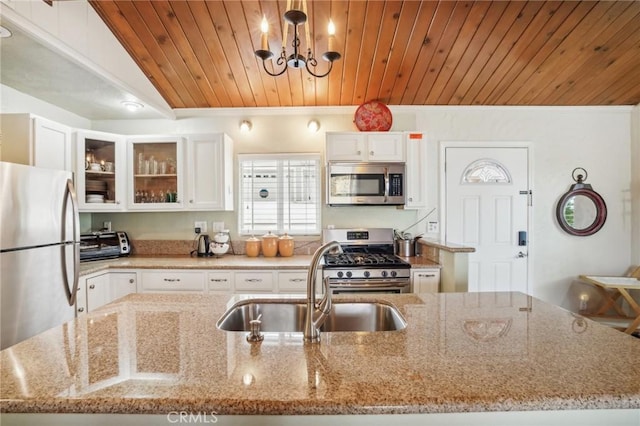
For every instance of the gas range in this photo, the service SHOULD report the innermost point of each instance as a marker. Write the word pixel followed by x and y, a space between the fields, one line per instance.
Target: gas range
pixel 367 263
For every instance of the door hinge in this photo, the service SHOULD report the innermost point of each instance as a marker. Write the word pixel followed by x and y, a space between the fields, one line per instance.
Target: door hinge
pixel 529 194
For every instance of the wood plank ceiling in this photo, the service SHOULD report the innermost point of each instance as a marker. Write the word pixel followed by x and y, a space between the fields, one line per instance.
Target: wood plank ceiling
pixel 200 53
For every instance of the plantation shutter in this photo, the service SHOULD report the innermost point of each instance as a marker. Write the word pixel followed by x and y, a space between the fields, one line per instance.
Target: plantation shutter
pixel 280 193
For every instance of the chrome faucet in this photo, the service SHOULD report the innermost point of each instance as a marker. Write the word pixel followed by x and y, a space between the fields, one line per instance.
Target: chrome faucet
pixel 311 326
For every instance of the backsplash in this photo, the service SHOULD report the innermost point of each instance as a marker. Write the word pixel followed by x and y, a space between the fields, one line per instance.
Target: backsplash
pixel 185 247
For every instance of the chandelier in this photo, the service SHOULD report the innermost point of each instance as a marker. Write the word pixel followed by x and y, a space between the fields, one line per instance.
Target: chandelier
pixel 296 18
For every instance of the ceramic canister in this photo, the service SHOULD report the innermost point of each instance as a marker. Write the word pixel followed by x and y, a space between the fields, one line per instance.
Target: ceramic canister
pixel 269 245
pixel 285 245
pixel 252 247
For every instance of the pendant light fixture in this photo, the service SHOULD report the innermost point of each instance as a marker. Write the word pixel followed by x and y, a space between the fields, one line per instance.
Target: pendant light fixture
pixel 296 15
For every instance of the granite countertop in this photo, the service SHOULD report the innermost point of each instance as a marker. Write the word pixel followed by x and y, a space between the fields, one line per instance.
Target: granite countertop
pixel 224 262
pixel 460 352
pixel 446 245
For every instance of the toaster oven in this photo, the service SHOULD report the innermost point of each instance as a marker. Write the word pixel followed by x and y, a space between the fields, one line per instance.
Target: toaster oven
pixel 104 245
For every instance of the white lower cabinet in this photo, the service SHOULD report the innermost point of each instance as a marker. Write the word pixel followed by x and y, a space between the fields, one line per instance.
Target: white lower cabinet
pixel 425 280
pixel 294 281
pixel 96 290
pixel 171 280
pixel 254 281
pixel 220 281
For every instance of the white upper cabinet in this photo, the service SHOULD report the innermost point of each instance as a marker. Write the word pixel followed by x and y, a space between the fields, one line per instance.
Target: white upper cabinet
pixel 156 173
pixel 210 172
pixel 35 141
pixel 365 146
pixel 101 171
pixel 416 170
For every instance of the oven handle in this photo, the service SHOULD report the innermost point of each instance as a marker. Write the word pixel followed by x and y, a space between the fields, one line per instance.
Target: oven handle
pixel 367 284
pixel 386 184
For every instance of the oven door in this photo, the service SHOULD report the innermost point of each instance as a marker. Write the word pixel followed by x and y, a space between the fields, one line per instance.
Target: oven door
pixel 365 183
pixel 338 286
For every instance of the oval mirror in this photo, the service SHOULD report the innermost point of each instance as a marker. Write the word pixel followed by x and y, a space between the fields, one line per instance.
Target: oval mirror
pixel 581 210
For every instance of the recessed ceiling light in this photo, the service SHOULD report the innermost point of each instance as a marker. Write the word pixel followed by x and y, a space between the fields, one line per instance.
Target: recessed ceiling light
pixel 4 32
pixel 131 105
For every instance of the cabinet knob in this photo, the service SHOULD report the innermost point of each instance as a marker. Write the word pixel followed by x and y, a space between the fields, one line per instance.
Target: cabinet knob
pixel 371 153
pixel 131 281
pixel 191 201
pixel 117 201
pixel 410 198
pixel 80 309
pixel 92 286
pixel 359 152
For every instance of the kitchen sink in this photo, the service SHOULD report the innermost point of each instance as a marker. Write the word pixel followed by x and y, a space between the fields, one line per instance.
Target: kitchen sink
pixel 289 316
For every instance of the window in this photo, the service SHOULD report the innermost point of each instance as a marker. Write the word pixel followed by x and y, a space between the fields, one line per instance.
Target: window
pixel 485 171
pixel 279 193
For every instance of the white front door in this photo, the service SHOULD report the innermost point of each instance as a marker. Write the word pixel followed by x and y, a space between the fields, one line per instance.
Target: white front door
pixel 487 198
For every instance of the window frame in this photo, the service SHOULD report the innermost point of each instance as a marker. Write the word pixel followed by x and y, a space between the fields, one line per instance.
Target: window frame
pixel 279 158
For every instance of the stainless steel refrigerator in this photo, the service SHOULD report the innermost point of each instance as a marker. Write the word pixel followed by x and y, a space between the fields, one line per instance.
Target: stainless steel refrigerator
pixel 39 251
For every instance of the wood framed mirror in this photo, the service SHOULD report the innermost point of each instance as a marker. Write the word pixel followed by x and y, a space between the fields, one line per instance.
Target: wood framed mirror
pixel 581 211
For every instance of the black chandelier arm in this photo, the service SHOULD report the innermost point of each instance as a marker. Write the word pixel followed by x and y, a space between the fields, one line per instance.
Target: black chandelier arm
pixel 265 55
pixel 313 62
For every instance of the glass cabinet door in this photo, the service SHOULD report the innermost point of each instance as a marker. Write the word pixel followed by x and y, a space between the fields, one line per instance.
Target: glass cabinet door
pixel 156 182
pixel 100 171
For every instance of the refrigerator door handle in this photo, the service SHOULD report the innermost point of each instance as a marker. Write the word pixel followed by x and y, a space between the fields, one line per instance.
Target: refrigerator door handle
pixel 72 291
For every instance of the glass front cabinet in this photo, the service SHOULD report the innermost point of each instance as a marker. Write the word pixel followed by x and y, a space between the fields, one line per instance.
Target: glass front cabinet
pixel 156 173
pixel 101 171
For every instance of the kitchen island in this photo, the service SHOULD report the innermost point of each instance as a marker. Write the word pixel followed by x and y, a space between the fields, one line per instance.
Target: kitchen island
pixel 488 355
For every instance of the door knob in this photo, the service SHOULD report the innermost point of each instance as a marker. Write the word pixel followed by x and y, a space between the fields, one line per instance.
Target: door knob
pixel 521 255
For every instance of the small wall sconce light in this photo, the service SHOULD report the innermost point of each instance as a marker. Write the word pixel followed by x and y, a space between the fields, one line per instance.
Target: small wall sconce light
pixel 245 126
pixel 313 126
pixel 132 105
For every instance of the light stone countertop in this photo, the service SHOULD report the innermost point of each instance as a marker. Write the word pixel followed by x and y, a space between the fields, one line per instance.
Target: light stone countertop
pixel 224 262
pixel 461 352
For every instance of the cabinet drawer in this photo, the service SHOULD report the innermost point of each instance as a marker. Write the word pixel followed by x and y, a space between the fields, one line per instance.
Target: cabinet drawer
pixel 172 281
pixel 292 282
pixel 425 280
pixel 219 281
pixel 259 281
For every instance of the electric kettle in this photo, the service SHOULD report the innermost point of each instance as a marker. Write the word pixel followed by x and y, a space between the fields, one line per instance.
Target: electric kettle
pixel 203 245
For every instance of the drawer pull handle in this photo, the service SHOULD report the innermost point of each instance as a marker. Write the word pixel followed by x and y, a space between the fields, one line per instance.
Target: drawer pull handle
pixel 219 280
pixel 171 280
pixel 426 275
pixel 296 280
pixel 253 280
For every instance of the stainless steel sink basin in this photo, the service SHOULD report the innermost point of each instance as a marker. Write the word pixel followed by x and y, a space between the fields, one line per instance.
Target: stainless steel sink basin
pixel 284 316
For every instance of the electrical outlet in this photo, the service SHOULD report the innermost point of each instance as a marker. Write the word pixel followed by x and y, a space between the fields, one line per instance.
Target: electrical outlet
pixel 202 224
pixel 433 227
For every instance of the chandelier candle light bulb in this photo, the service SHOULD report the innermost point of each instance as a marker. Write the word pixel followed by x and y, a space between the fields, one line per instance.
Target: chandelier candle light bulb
pixel 331 30
pixel 264 26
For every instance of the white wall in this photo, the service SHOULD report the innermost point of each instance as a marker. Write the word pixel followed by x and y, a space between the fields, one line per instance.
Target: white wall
pixel 595 138
pixel 635 185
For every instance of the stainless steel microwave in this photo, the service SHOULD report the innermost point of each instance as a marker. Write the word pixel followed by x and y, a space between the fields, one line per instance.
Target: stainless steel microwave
pixel 365 184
